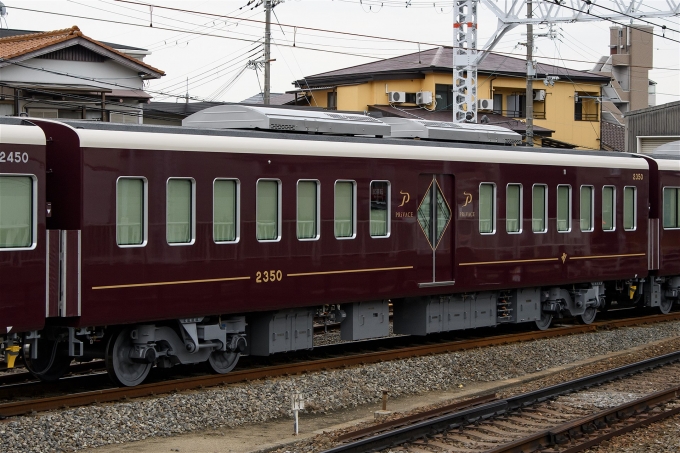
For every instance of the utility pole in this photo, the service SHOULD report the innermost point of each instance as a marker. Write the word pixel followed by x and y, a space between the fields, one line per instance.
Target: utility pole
pixel 267 54
pixel 531 71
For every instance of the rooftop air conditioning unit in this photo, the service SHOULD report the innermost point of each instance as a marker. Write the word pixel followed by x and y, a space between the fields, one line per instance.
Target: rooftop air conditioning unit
pixel 539 95
pixel 396 96
pixel 424 97
pixel 485 104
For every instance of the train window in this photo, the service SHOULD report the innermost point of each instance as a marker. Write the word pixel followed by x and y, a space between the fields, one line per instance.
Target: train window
pixel 180 211
pixel 226 210
pixel 17 216
pixel 608 208
pixel 487 208
pixel 539 208
pixel 345 209
pixel 308 210
pixel 131 211
pixel 563 208
pixel 268 210
pixel 513 208
pixel 671 207
pixel 629 208
pixel 587 211
pixel 380 208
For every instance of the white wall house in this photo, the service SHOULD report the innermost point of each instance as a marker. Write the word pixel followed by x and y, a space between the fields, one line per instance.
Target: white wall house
pixel 65 74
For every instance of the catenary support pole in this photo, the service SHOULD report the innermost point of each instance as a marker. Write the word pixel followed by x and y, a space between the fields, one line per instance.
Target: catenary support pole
pixel 530 76
pixel 267 54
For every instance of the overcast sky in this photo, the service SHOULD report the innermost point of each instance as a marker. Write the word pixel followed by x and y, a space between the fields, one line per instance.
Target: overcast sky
pixel 216 65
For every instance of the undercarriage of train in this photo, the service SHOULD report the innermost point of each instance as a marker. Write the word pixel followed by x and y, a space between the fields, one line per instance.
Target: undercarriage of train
pixel 131 351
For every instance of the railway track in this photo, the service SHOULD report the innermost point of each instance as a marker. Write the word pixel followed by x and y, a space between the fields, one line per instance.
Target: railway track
pixel 92 388
pixel 544 420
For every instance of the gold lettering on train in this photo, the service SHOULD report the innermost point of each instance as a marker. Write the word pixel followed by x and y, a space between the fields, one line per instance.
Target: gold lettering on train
pixel 468 198
pixel 268 276
pixel 400 214
pixel 466 214
pixel 405 198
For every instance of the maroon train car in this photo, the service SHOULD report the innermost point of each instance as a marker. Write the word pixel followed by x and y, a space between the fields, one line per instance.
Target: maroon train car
pixel 179 245
pixel 22 233
pixel 665 240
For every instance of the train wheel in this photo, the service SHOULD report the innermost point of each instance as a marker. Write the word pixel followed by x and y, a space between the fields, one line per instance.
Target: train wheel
pixel 545 321
pixel 223 362
pixel 122 370
pixel 666 305
pixel 588 316
pixel 52 362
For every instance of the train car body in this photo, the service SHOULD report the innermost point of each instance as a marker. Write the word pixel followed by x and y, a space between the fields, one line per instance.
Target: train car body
pixel 179 245
pixel 23 245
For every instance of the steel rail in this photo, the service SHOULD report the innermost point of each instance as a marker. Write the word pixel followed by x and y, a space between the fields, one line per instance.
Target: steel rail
pixel 115 394
pixel 594 429
pixel 375 429
pixel 496 408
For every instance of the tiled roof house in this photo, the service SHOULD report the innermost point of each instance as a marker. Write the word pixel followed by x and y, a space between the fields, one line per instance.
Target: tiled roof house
pixel 66 74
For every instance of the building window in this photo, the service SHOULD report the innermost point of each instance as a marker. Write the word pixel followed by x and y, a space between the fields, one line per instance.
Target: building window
pixel 16 212
pixel 332 100
pixel 268 210
pixel 608 208
pixel 629 208
pixel 43 113
pixel 487 208
pixel 585 107
pixel 517 106
pixel 443 95
pixel 587 212
pixel 345 209
pixel 513 208
pixel 671 207
pixel 498 104
pixel 563 208
pixel 225 210
pixel 539 208
pixel 308 210
pixel 180 211
pixel 380 208
pixel 131 211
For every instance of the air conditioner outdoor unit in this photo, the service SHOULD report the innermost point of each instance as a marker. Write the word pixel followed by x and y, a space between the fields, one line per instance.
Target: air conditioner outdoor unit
pixel 396 96
pixel 424 97
pixel 539 95
pixel 485 104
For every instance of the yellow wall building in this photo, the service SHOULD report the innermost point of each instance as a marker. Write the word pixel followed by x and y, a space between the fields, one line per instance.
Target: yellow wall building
pixel 566 114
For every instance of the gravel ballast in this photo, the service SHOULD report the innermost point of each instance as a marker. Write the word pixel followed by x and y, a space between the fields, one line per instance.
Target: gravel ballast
pixel 167 415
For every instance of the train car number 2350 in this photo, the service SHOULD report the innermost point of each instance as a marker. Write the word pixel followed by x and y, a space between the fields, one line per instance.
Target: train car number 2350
pixel 268 276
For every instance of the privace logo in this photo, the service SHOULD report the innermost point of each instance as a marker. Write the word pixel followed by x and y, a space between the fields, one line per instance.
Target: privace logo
pixel 467 209
pixel 405 198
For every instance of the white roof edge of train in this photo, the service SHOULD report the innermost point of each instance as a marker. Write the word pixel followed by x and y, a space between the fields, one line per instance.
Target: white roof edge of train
pixel 668 164
pixel 93 138
pixel 20 134
pixel 107 139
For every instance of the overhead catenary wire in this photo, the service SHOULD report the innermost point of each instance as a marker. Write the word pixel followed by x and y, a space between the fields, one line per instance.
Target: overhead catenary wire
pixel 311 48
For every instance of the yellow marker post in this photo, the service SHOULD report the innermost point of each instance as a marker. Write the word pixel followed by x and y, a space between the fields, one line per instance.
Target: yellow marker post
pixel 12 352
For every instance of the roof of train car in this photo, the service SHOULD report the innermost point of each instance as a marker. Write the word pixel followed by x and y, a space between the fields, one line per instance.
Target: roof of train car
pixel 178 138
pixel 16 133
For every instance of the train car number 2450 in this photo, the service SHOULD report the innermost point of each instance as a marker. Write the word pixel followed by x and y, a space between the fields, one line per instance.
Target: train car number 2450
pixel 15 157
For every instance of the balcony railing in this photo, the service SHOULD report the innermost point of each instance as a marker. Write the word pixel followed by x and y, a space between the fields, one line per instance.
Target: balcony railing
pixel 519 114
pixel 586 116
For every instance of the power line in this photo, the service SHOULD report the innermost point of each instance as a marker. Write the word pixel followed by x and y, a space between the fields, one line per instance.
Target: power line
pixel 310 48
pixel 606 19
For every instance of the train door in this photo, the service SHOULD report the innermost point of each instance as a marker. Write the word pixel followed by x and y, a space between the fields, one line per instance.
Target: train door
pixel 435 217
